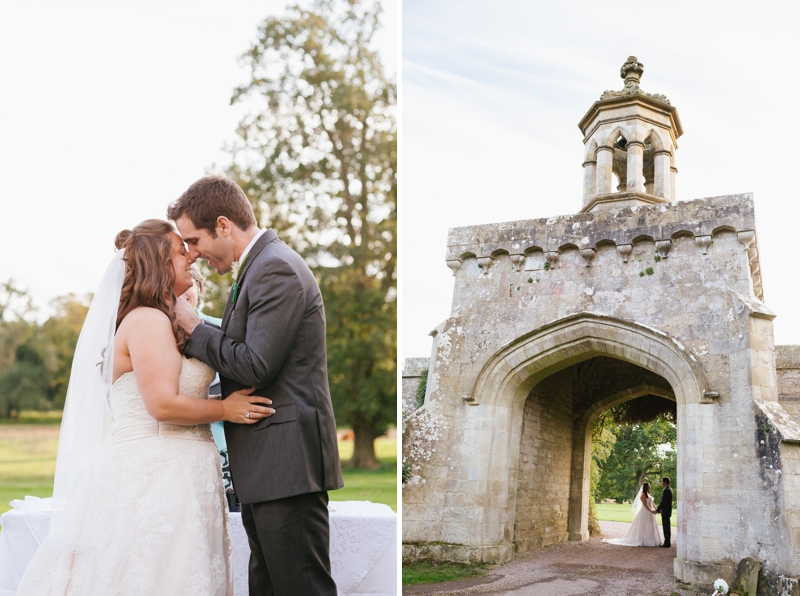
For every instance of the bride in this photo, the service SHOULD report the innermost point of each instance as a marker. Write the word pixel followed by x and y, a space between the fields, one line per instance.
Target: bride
pixel 644 530
pixel 138 501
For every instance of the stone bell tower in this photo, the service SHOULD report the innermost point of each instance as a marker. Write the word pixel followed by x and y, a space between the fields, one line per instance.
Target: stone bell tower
pixel 632 135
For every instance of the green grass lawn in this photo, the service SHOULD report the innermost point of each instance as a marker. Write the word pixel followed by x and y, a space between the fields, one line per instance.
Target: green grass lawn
pixel 378 486
pixel 621 512
pixel 28 462
pixel 424 572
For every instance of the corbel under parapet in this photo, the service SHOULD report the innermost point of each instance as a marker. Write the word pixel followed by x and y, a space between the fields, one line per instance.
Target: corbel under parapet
pixel 625 251
pixel 588 255
pixel 663 247
pixel 703 242
pixel 454 265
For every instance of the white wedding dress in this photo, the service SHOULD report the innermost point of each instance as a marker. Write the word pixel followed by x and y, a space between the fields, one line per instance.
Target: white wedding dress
pixel 644 530
pixel 150 516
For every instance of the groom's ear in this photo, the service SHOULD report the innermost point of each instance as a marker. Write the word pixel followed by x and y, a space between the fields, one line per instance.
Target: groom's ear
pixel 223 226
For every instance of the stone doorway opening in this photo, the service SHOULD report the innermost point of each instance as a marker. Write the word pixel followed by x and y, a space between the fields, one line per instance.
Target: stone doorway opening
pixel 553 478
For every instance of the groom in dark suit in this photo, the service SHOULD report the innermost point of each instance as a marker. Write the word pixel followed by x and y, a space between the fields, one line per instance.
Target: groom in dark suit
pixel 665 509
pixel 272 339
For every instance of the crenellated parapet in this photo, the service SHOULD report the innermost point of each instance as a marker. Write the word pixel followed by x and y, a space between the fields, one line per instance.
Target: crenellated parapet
pixel 538 243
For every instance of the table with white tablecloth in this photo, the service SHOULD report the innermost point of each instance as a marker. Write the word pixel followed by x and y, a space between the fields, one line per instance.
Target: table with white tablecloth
pixel 363 545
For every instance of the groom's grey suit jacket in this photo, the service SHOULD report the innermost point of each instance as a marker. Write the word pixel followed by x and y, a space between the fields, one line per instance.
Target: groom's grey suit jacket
pixel 273 338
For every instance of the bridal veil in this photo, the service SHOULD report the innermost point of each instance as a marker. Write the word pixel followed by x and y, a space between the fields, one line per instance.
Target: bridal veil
pixel 87 415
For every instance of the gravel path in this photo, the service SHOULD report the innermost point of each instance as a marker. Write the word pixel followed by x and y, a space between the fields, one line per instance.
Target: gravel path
pixel 569 568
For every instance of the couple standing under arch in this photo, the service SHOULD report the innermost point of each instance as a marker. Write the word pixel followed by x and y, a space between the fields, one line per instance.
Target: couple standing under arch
pixel 644 530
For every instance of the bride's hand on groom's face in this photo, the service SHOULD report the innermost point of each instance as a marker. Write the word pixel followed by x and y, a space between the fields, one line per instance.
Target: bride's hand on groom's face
pixel 243 408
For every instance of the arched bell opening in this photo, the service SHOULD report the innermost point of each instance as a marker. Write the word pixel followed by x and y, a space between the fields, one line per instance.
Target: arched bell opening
pixel 649 169
pixel 559 414
pixel 619 165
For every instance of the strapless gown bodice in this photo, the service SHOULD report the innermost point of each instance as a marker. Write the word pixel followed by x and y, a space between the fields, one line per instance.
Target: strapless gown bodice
pixel 131 421
pixel 149 517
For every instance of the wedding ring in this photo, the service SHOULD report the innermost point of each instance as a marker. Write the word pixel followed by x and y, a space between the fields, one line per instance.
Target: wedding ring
pixel 248 415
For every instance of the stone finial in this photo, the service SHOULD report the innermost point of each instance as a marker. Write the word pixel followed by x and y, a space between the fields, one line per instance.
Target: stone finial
pixel 631 71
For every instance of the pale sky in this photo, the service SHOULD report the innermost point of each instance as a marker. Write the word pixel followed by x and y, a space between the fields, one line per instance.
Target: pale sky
pixel 108 111
pixel 493 92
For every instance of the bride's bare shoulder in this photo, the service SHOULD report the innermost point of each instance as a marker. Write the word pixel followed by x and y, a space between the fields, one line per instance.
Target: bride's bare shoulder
pixel 144 315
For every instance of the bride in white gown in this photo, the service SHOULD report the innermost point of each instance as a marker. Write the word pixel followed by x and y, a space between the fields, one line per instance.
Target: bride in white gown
pixel 139 504
pixel 644 530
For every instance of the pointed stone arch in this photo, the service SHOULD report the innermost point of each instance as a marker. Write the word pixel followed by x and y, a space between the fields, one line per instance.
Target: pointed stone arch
pixel 657 142
pixel 502 388
pixel 617 131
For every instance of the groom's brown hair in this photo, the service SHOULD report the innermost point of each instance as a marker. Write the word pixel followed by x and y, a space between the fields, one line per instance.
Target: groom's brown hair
pixel 212 197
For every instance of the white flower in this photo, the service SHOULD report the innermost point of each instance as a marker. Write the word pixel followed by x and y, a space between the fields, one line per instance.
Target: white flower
pixel 720 587
pixel 235 270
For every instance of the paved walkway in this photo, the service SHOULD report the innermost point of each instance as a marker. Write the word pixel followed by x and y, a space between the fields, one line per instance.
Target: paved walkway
pixel 571 568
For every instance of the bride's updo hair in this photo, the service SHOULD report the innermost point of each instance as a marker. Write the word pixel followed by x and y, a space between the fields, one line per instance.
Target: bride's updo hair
pixel 149 278
pixel 646 488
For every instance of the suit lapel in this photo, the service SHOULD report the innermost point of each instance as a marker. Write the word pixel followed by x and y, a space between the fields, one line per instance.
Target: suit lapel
pixel 265 239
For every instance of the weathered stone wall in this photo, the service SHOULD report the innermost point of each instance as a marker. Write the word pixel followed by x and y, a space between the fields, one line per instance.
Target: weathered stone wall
pixel 542 505
pixel 412 375
pixel 677 289
pixel 787 361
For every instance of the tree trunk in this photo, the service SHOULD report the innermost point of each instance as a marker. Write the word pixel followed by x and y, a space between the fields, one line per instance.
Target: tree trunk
pixel 364 435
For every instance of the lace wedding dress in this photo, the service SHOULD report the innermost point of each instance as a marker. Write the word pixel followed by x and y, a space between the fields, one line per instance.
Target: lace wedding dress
pixel 644 530
pixel 150 519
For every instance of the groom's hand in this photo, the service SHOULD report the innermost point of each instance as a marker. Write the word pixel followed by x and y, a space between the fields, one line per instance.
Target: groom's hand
pixel 186 315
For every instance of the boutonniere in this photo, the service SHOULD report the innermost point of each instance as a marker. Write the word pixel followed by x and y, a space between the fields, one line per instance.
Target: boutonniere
pixel 236 267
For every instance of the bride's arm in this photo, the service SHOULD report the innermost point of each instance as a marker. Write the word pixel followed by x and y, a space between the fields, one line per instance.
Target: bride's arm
pixel 157 367
pixel 643 498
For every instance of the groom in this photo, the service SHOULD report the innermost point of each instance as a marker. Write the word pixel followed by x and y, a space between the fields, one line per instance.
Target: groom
pixel 665 509
pixel 272 338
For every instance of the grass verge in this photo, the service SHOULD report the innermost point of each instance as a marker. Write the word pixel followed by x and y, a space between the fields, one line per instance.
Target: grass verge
pixel 427 572
pixel 621 512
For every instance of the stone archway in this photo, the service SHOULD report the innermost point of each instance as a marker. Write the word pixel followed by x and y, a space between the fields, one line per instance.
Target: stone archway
pixel 505 382
pixel 553 479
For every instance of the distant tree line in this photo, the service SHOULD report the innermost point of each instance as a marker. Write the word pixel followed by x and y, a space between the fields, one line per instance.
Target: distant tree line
pixel 36 358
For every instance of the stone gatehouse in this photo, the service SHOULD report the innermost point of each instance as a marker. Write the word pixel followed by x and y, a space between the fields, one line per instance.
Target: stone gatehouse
pixel 556 320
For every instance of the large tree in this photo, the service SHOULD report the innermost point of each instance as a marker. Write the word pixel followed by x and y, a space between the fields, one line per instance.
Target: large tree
pixel 642 452
pixel 317 157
